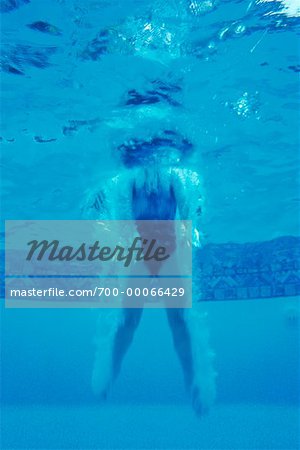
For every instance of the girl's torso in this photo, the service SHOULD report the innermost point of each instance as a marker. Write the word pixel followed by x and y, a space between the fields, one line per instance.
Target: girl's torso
pixel 152 195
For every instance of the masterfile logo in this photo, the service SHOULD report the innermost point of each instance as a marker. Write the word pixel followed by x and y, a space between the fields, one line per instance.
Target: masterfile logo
pixel 137 261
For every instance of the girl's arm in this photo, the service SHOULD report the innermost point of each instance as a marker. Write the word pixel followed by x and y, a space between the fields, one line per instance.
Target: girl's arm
pixel 188 191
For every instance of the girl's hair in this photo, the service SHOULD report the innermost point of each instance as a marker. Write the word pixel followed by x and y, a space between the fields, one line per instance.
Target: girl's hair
pixel 137 152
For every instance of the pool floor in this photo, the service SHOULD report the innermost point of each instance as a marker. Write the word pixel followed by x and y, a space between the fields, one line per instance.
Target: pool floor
pixel 150 426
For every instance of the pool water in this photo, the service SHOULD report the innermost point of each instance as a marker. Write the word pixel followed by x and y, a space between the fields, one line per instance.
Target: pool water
pixel 81 78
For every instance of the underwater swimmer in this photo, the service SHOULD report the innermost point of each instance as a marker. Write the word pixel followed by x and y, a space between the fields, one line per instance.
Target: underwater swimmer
pixel 152 186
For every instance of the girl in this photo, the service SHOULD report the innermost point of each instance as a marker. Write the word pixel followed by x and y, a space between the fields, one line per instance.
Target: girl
pixel 152 186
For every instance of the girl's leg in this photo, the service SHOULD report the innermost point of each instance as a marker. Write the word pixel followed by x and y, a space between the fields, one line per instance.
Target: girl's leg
pixel 124 336
pixel 115 331
pixel 190 337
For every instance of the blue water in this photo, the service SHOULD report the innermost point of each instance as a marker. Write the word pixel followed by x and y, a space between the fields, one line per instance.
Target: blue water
pixel 80 80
